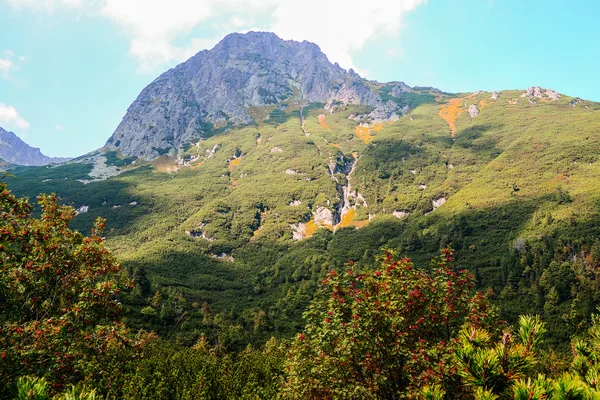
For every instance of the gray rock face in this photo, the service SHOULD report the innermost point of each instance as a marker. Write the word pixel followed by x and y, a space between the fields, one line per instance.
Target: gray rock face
pixel 575 101
pixel 216 87
pixel 552 94
pixel 495 95
pixel 399 88
pixel 15 151
pixel 473 111
pixel 540 93
pixel 323 216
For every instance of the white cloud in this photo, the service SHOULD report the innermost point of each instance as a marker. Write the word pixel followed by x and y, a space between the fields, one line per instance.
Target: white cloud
pixel 5 66
pixel 341 27
pixel 10 118
pixel 8 64
pixel 59 127
pixel 48 5
pixel 160 31
pixel 153 25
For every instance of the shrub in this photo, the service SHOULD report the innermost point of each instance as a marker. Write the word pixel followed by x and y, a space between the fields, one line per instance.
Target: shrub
pixel 59 311
pixel 383 333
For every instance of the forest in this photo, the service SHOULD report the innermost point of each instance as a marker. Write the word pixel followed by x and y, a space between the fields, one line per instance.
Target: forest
pixel 382 330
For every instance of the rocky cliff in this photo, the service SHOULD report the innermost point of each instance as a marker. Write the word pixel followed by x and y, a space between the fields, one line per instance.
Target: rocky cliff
pixel 217 88
pixel 15 151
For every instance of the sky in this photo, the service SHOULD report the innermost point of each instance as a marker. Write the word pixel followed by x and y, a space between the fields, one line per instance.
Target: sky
pixel 70 68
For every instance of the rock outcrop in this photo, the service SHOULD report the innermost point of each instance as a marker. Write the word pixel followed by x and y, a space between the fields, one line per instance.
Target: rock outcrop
pixel 552 94
pixel 495 95
pixel 323 216
pixel 473 111
pixel 539 93
pixel 575 102
pixel 400 214
pixel 15 151
pixel 438 202
pixel 215 89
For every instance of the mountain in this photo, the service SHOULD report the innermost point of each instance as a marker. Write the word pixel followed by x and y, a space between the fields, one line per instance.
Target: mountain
pixel 220 88
pixel 15 151
pixel 246 215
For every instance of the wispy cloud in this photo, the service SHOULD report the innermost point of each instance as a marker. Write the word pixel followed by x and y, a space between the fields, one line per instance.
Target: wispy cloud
pixel 10 118
pixel 5 66
pixel 59 127
pixel 9 63
pixel 46 5
pixel 160 32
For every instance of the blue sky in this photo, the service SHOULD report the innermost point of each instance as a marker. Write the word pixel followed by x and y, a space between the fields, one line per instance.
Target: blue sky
pixel 70 68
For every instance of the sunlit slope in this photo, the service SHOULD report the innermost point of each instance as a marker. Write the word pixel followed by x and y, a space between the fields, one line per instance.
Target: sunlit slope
pixel 219 224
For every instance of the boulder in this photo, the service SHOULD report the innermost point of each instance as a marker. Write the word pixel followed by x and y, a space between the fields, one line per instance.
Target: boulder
pixel 400 214
pixel 437 203
pixel 552 94
pixel 323 216
pixel 473 111
pixel 576 101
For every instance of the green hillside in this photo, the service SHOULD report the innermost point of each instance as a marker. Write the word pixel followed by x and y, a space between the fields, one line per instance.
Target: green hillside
pixel 212 234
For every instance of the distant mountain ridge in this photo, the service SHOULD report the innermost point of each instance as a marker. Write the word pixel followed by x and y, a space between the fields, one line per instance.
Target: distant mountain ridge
pixel 218 88
pixel 13 150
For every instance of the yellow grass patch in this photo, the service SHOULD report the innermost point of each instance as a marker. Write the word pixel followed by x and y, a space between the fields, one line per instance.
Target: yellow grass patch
pixel 348 220
pixel 364 133
pixel 450 113
pixel 311 228
pixel 377 127
pixel 321 119
pixel 485 103
pixel 234 163
pixel 337 146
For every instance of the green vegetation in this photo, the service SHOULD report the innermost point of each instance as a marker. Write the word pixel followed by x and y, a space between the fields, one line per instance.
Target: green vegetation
pixel 521 213
pixel 393 332
pixel 383 333
pixel 112 159
pixel 59 313
pixel 410 99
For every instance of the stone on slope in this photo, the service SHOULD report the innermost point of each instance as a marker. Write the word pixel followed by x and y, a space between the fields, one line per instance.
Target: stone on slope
pixel 473 111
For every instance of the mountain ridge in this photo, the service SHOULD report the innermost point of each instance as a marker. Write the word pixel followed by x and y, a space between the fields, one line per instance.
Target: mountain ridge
pixel 217 88
pixel 14 150
pixel 248 217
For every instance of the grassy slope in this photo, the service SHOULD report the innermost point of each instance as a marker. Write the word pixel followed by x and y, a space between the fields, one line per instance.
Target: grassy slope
pixel 505 175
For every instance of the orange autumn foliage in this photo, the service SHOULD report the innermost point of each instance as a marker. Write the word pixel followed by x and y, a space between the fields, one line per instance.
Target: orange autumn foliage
pixel 364 133
pixel 348 220
pixel 451 112
pixel 234 163
pixel 321 119
pixel 377 127
pixel 311 228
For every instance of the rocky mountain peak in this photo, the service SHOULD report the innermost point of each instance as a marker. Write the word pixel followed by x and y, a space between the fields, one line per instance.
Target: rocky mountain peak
pixel 216 88
pixel 13 150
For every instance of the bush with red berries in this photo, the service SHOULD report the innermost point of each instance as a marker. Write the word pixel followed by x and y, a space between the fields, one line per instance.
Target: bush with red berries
pixel 383 333
pixel 59 309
